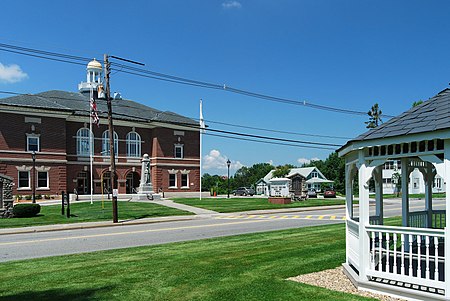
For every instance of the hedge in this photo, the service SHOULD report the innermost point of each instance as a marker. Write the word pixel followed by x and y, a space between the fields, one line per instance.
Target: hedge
pixel 26 210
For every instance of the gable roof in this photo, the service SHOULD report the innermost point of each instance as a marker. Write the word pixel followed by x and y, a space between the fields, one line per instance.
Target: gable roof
pixel 303 171
pixel 431 115
pixel 78 104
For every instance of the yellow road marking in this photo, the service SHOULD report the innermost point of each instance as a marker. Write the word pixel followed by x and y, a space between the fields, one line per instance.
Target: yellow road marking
pixel 333 217
pixel 321 217
pixel 128 232
pixel 284 216
pixel 309 216
pixel 273 216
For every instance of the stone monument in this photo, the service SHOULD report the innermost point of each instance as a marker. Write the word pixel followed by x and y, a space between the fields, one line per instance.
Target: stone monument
pixel 145 191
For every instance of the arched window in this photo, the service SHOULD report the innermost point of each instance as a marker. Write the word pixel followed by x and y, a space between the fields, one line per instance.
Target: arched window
pixel 84 143
pixel 105 144
pixel 133 144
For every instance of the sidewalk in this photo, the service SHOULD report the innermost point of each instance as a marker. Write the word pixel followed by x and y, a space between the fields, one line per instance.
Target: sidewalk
pixel 201 214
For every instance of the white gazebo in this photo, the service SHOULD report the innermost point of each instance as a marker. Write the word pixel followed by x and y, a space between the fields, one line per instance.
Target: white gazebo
pixel 407 260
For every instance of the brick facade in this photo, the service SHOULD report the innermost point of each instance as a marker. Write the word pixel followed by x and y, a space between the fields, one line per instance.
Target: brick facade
pixel 68 171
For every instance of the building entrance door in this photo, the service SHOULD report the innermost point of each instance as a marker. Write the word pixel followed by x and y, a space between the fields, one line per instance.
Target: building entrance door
pixel 133 182
pixel 82 183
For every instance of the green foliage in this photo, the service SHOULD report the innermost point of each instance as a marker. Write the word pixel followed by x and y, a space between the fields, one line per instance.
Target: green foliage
pixel 19 197
pixel 333 168
pixel 397 180
pixel 28 197
pixel 282 170
pixel 47 197
pixel 416 103
pixel 248 176
pixel 374 117
pixel 26 210
pixel 215 183
pixel 38 196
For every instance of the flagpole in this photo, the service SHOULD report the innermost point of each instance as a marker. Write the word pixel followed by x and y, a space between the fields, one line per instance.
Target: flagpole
pixel 90 142
pixel 201 138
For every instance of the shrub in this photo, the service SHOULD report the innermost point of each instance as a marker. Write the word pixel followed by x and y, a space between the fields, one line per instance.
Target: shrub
pixel 38 196
pixel 47 197
pixel 26 210
pixel 28 197
pixel 19 197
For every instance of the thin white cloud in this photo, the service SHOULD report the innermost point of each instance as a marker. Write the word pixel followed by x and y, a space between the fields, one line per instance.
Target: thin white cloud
pixel 11 74
pixel 215 160
pixel 306 160
pixel 231 5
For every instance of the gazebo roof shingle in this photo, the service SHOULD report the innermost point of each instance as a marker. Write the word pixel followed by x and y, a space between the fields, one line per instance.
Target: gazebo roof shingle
pixel 431 115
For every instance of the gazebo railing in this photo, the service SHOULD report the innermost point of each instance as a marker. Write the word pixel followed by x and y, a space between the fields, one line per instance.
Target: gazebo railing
pixel 418 219
pixel 409 255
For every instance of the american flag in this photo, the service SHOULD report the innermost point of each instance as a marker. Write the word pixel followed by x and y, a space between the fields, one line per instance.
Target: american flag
pixel 94 112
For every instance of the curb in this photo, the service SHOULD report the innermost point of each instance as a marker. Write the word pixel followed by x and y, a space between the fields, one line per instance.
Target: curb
pixel 79 226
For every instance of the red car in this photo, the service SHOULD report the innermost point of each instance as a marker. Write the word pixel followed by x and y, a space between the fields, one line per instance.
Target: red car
pixel 329 193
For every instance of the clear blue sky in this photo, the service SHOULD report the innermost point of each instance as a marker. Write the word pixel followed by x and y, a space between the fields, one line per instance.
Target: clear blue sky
pixel 347 54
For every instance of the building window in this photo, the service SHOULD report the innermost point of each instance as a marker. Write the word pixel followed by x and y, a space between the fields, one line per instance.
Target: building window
pixel 42 179
pixel 24 179
pixel 83 142
pixel 133 144
pixel 314 174
pixel 437 183
pixel 179 151
pixel 172 180
pixel 33 143
pixel 105 144
pixel 185 180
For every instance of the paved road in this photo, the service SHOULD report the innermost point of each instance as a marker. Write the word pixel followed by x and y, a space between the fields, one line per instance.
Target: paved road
pixel 43 244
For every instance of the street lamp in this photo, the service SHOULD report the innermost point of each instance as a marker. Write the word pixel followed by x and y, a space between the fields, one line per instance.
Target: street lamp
pixel 228 165
pixel 33 181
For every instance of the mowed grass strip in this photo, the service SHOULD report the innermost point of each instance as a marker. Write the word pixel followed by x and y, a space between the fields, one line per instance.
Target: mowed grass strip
pixel 226 205
pixel 244 267
pixel 85 212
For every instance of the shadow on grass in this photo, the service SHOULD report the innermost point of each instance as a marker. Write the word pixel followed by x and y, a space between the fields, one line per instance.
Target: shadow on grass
pixel 58 295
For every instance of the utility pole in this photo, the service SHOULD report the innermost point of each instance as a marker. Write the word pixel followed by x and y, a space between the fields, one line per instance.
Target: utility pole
pixel 113 178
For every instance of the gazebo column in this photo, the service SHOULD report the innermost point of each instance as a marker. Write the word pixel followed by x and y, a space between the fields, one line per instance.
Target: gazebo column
pixel 446 175
pixel 364 173
pixel 428 177
pixel 349 190
pixel 378 177
pixel 405 192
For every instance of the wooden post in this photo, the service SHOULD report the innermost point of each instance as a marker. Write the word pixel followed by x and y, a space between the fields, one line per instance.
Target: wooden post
pixel 364 241
pixel 447 217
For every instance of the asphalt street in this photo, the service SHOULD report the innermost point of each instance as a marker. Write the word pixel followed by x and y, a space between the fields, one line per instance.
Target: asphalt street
pixel 44 244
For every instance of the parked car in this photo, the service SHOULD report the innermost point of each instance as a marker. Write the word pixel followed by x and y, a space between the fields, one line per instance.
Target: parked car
pixel 244 191
pixel 312 194
pixel 329 193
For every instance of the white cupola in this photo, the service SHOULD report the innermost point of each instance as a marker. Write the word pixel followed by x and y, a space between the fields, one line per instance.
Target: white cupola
pixel 93 77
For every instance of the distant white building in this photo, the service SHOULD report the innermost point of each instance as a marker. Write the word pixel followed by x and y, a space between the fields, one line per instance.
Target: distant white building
pixel 416 181
pixel 300 180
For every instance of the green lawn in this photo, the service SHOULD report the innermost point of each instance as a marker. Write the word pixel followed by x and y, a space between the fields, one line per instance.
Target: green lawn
pixel 225 205
pixel 85 212
pixel 244 267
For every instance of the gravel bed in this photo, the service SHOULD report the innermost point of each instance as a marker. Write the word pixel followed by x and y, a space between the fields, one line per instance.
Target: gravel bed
pixel 336 280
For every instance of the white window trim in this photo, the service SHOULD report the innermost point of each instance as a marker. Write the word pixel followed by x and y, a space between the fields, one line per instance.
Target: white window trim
pixel 37 180
pixel 136 142
pixel 181 146
pixel 79 140
pixel 105 151
pixel 38 142
pixel 187 180
pixel 176 180
pixel 18 180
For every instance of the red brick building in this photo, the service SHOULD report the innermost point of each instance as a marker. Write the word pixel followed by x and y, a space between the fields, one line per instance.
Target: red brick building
pixel 56 126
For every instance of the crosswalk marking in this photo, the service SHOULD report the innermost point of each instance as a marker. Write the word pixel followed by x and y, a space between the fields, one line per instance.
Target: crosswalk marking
pixel 278 217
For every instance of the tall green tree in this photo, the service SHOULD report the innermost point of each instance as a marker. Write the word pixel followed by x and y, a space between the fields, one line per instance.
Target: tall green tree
pixel 282 170
pixel 416 103
pixel 374 117
pixel 248 176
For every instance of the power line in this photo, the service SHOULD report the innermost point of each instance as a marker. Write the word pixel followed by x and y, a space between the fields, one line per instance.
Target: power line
pixel 175 79
pixel 268 142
